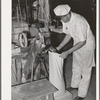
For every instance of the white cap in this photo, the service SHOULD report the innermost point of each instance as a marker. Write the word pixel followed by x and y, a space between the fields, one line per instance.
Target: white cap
pixel 62 10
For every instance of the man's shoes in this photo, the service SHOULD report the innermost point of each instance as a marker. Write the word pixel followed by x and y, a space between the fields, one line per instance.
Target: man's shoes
pixel 71 89
pixel 79 98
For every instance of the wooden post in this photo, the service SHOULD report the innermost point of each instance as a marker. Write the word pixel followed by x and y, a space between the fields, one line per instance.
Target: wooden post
pixel 19 72
pixel 17 14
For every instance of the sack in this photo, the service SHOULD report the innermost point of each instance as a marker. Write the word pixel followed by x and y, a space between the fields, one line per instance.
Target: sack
pixel 56 72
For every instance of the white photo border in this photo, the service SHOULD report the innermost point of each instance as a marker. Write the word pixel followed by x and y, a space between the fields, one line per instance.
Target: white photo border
pixel 6 49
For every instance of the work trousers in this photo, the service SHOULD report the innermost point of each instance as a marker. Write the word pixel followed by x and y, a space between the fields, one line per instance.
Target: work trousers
pixel 81 80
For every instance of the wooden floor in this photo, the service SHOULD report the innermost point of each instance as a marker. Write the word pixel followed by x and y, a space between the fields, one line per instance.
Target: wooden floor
pixel 68 73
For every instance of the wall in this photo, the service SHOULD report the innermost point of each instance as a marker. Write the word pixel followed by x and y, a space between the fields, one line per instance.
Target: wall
pixel 87 8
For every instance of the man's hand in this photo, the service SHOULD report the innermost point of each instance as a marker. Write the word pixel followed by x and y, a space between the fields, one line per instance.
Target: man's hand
pixel 52 49
pixel 64 54
pixel 51 28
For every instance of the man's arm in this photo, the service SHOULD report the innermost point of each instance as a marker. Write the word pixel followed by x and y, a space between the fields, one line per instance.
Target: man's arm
pixel 65 41
pixel 74 48
pixel 77 46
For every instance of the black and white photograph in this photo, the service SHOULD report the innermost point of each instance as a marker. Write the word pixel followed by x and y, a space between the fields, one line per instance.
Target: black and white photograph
pixel 52 51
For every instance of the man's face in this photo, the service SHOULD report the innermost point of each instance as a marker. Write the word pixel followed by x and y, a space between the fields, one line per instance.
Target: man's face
pixel 65 18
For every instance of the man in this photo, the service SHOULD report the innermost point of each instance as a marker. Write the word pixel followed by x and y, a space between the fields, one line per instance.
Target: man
pixel 75 26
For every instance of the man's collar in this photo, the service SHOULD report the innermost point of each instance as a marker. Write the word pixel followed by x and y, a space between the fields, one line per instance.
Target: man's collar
pixel 71 18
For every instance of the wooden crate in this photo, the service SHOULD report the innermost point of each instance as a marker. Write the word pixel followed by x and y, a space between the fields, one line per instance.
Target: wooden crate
pixel 37 90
